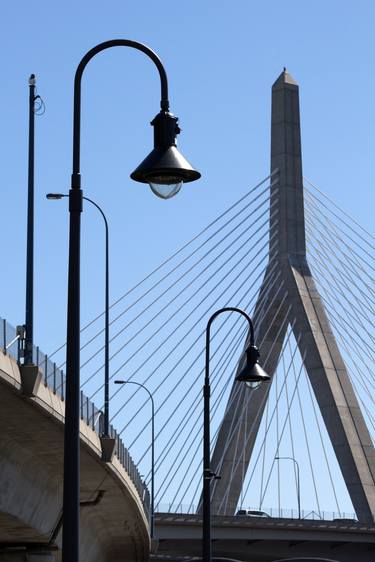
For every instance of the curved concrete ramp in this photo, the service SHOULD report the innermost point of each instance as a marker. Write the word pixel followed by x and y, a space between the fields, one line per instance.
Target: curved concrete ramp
pixel 113 523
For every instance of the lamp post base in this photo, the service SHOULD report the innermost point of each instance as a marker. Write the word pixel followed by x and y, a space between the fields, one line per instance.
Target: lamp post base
pixel 108 447
pixel 30 379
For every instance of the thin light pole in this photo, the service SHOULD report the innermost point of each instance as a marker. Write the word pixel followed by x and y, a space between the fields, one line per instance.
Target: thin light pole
pixel 298 482
pixel 152 507
pixel 106 321
pixel 55 196
pixel 29 312
pixel 252 372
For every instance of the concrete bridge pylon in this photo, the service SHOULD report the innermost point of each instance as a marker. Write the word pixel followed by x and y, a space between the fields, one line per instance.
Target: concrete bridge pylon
pixel 303 310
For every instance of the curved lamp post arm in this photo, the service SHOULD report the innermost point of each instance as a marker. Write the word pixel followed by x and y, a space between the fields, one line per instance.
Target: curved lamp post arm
pixel 164 103
pixel 208 329
pixel 145 388
pixel 152 507
pixel 298 482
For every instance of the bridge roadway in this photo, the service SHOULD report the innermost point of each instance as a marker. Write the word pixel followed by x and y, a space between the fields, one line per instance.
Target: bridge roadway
pixel 262 539
pixel 114 526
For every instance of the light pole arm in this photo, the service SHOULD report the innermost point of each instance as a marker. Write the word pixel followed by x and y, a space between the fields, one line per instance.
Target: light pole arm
pixel 298 482
pixel 152 507
pixel 208 329
pixel 164 103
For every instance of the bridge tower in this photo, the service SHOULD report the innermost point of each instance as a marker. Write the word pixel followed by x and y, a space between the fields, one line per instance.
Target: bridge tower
pixel 305 313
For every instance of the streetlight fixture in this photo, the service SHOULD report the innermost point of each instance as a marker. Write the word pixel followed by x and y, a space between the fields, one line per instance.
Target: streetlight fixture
pixel 298 481
pixel 108 443
pixel 164 168
pixel 251 372
pixel 152 507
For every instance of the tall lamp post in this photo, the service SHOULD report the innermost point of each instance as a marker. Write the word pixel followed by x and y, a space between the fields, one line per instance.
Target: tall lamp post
pixel 28 352
pixel 165 169
pixel 152 507
pixel 251 372
pixel 108 444
pixel 30 376
pixel 298 481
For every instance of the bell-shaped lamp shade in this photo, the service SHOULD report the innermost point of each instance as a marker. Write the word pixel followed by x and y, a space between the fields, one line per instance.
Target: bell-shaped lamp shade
pixel 165 169
pixel 252 372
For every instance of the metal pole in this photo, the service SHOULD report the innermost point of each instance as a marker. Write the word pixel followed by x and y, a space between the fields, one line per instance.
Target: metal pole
pixel 298 482
pixel 106 308
pixel 208 475
pixel 298 492
pixel 152 526
pixel 152 507
pixel 206 553
pixel 106 321
pixel 29 313
pixel 70 538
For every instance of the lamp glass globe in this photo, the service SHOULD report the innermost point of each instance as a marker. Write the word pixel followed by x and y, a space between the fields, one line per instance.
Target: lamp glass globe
pixel 165 187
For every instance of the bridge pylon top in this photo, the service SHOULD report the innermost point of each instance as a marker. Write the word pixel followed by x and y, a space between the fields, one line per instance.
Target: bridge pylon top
pixel 302 308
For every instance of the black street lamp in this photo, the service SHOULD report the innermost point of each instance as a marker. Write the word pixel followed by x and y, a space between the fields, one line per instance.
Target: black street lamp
pixel 28 351
pixel 165 168
pixel 152 507
pixel 251 372
pixel 107 442
pixel 298 481
pixel 30 376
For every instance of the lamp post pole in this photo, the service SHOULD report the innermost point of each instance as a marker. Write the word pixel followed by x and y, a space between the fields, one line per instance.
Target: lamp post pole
pixel 152 506
pixel 106 321
pixel 252 372
pixel 29 312
pixel 55 196
pixel 298 482
pixel 164 166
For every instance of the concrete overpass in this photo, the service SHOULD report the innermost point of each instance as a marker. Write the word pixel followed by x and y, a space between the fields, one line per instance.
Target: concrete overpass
pixel 263 539
pixel 114 525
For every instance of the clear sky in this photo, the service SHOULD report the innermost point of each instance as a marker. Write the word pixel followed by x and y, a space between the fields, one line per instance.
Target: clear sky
pixel 221 59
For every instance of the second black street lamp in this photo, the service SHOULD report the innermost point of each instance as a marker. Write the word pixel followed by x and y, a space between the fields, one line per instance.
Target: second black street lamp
pixel 251 372
pixel 165 169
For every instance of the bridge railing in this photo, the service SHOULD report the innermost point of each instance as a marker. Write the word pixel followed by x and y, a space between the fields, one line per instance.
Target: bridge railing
pixel 54 378
pixel 272 512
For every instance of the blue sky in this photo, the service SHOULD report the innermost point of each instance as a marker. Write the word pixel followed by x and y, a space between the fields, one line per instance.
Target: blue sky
pixel 221 59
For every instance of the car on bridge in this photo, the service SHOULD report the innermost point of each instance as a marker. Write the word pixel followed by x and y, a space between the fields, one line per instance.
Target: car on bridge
pixel 251 513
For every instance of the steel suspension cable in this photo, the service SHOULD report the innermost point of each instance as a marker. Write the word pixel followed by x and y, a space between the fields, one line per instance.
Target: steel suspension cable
pixel 234 396
pixel 170 302
pixel 181 339
pixel 274 409
pixel 341 211
pixel 188 370
pixel 281 327
pixel 177 252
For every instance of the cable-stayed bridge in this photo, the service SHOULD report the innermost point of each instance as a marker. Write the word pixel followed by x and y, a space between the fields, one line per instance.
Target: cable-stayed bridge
pixel 304 270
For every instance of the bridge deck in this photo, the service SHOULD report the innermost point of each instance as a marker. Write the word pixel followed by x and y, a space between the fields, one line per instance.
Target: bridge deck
pixel 113 523
pixel 263 539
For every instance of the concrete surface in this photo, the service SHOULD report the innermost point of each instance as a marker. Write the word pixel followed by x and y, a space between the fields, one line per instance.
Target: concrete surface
pixel 113 528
